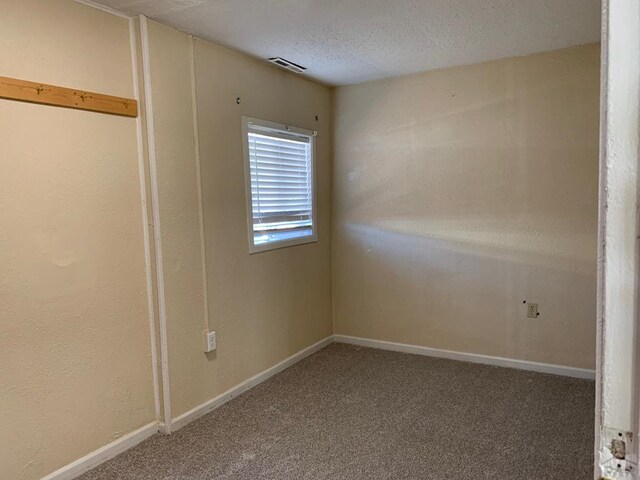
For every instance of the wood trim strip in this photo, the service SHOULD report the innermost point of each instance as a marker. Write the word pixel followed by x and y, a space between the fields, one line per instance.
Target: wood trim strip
pixel 42 93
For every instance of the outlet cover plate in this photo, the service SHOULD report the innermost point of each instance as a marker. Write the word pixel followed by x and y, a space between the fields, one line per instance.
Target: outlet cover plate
pixel 210 341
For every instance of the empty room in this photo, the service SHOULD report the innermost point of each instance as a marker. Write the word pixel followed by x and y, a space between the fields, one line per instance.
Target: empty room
pixel 319 239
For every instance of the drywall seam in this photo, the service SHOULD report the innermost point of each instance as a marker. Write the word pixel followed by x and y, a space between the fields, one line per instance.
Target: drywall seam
pixel 203 252
pixel 104 8
pixel 101 455
pixel 332 164
pixel 155 207
pixel 145 222
pixel 602 219
pixel 223 398
pixel 469 357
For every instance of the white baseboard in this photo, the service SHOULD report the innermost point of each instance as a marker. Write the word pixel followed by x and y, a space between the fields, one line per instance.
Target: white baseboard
pixel 223 398
pixel 469 357
pixel 103 454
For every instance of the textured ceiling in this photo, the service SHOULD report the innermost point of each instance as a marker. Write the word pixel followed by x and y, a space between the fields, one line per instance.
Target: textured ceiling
pixel 351 41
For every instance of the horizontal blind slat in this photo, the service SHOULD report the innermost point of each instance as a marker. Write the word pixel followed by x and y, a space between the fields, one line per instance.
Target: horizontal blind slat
pixel 300 199
pixel 271 173
pixel 274 181
pixel 259 147
pixel 282 217
pixel 298 171
pixel 281 207
pixel 278 163
pixel 278 140
pixel 286 163
pixel 289 189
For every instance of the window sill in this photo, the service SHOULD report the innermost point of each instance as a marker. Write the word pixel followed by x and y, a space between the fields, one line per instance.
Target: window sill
pixel 277 245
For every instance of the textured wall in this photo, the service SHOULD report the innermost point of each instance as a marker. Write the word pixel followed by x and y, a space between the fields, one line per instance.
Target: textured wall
pixel 265 307
pixel 74 330
pixel 460 193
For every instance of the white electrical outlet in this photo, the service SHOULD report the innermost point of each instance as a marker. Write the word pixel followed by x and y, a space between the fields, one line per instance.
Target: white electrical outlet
pixel 210 342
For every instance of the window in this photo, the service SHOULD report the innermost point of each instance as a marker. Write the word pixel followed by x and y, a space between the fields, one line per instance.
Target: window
pixel 280 185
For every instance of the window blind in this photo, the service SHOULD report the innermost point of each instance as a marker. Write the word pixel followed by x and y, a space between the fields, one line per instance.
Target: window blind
pixel 281 185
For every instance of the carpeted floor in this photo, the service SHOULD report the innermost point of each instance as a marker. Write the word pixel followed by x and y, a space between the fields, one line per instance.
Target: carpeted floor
pixel 357 413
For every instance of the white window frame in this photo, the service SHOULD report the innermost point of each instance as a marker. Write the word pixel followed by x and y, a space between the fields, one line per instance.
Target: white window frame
pixel 293 132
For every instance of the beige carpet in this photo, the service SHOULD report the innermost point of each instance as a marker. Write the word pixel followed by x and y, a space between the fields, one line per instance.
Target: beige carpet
pixel 358 413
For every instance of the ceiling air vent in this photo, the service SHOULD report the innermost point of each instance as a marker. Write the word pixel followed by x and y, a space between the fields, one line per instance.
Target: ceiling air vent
pixel 281 62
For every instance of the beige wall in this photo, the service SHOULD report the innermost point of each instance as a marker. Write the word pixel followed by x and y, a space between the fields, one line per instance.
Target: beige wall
pixel 264 307
pixel 460 193
pixel 74 328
